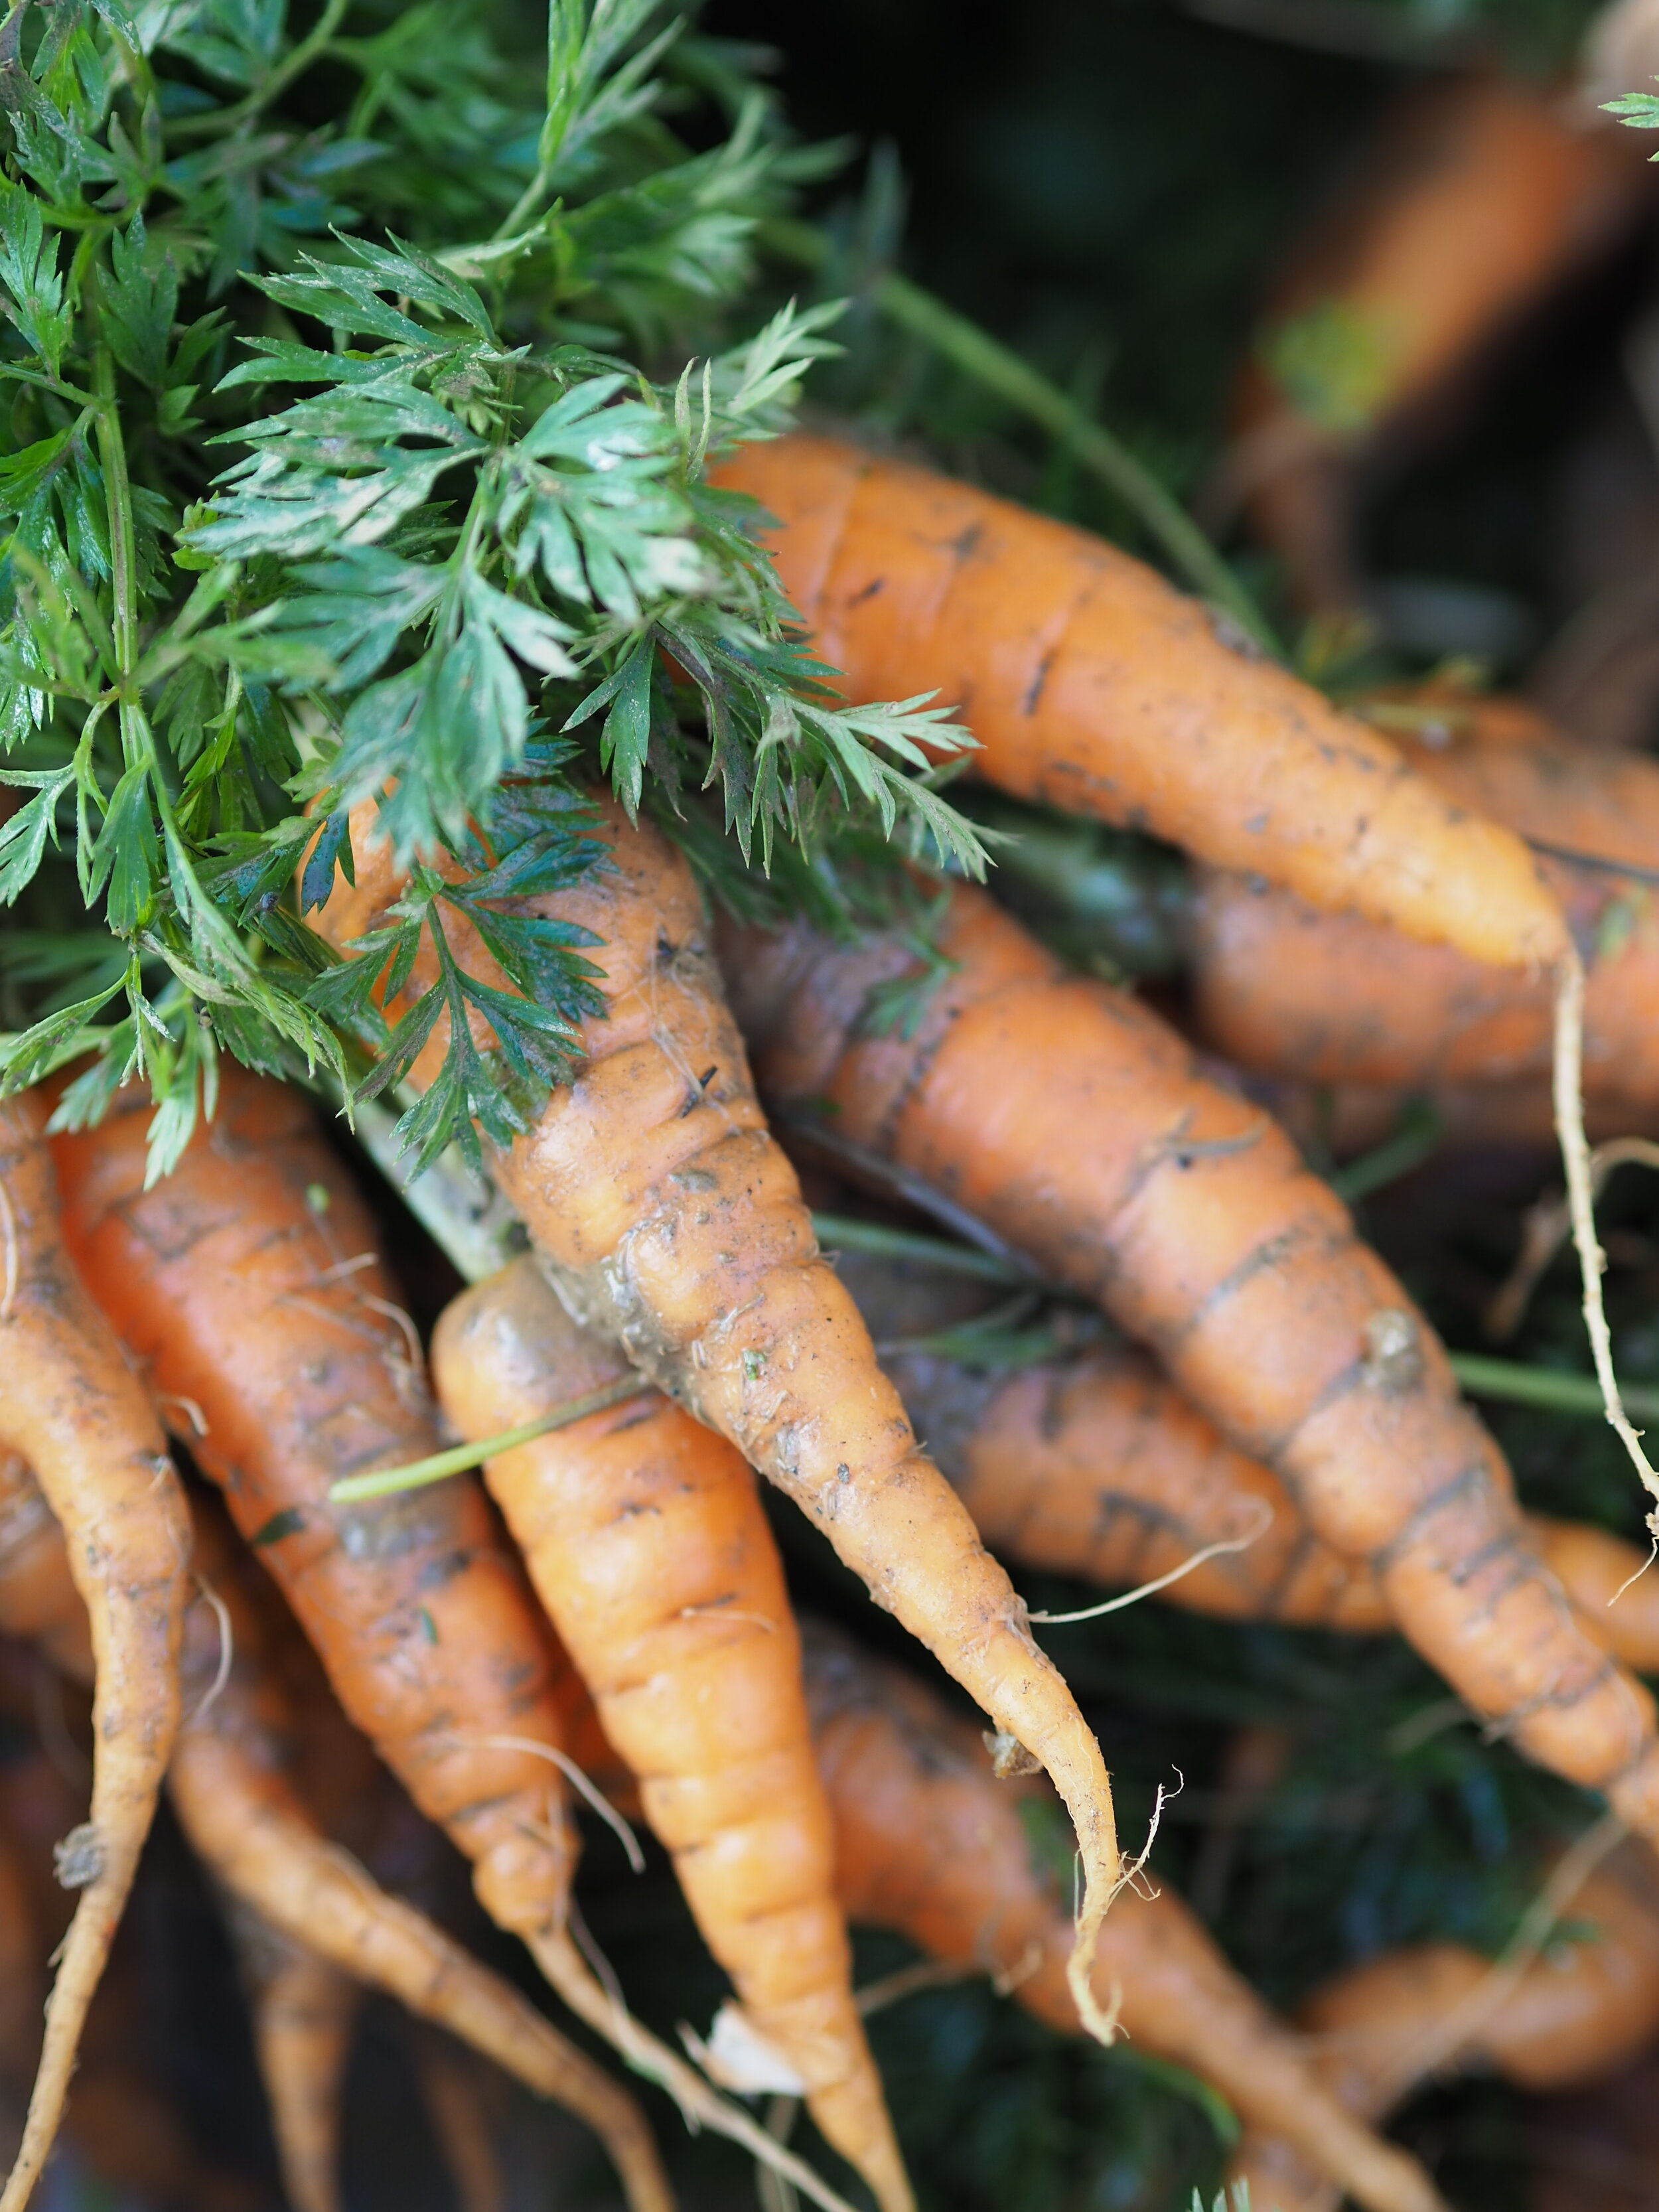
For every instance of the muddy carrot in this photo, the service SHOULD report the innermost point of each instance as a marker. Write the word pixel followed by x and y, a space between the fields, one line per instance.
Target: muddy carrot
pixel 245 1819
pixel 645 1541
pixel 1280 987
pixel 1096 1466
pixel 70 1407
pixel 250 1283
pixel 1093 686
pixel 666 1214
pixel 928 1842
pixel 1068 1119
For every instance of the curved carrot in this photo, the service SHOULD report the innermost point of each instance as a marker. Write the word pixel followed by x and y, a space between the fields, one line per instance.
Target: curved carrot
pixel 1584 2007
pixel 1096 1466
pixel 1091 684
pixel 1331 999
pixel 251 1281
pixel 1473 202
pixel 305 2009
pixel 645 1541
pixel 928 1842
pixel 666 1213
pixel 39 1602
pixel 245 1820
pixel 69 1407
pixel 1070 1121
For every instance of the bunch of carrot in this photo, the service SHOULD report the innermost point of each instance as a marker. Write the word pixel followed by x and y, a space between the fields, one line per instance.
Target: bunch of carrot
pixel 674 1328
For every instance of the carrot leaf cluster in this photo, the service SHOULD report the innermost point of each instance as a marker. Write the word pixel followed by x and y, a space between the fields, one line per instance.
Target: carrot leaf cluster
pixel 362 385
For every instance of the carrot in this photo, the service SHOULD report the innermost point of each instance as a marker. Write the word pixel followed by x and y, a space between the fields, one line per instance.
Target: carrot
pixel 1587 2005
pixel 929 1843
pixel 39 1602
pixel 1070 1121
pixel 1096 1466
pixel 665 1213
pixel 646 1543
pixel 250 1284
pixel 1473 203
pixel 458 2104
pixel 1093 686
pixel 70 1408
pixel 250 1281
pixel 305 2009
pixel 243 1818
pixel 1332 999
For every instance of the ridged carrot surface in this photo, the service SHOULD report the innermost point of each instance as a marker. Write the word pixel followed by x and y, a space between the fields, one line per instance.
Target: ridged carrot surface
pixel 1067 1118
pixel 645 1539
pixel 1331 999
pixel 669 1216
pixel 1475 199
pixel 930 1842
pixel 243 1818
pixel 250 1282
pixel 1093 686
pixel 1588 2004
pixel 1096 1466
pixel 70 1408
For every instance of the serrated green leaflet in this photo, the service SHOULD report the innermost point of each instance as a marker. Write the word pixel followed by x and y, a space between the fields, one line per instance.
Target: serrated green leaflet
pixel 342 468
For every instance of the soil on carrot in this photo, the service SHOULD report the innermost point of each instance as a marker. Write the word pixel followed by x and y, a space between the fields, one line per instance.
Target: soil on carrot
pixel 1104 189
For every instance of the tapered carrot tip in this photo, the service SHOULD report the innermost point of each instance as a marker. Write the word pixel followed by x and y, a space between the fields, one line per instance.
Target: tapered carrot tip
pixel 1093 686
pixel 668 1216
pixel 71 1408
pixel 646 1542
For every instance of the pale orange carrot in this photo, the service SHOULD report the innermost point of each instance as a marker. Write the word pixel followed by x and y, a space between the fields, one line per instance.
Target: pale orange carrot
pixel 646 1542
pixel 69 1407
pixel 666 1214
pixel 1093 686
pixel 1070 1121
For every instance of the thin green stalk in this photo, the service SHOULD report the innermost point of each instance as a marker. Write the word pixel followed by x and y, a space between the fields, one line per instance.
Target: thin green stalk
pixel 1412 1143
pixel 387 1481
pixel 977 355
pixel 841 1229
pixel 1511 1383
pixel 124 556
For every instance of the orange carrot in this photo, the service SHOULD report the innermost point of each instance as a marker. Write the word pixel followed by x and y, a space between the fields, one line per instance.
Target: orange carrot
pixel 305 2009
pixel 1094 687
pixel 1587 2005
pixel 70 1408
pixel 646 1543
pixel 928 1842
pixel 1068 1119
pixel 1280 987
pixel 1472 204
pixel 251 1282
pixel 666 1213
pixel 1096 1466
pixel 245 1819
